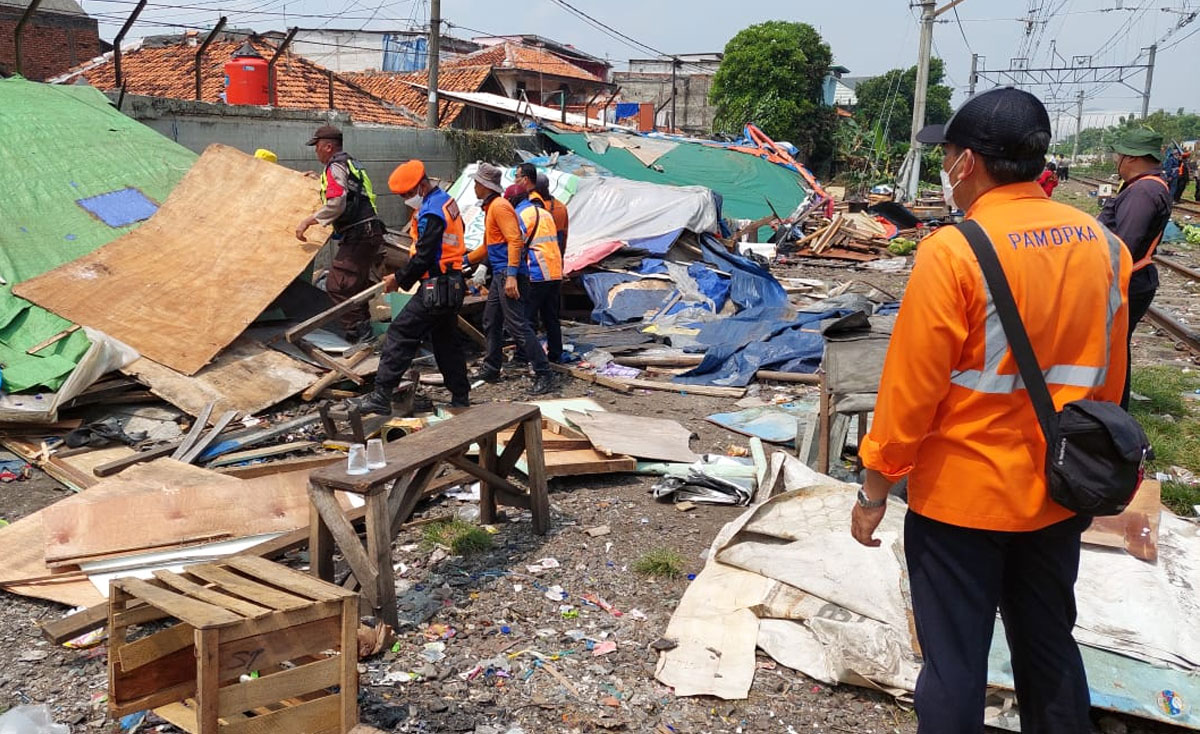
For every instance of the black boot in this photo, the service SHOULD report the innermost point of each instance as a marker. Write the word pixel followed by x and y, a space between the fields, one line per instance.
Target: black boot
pixel 372 402
pixel 542 384
pixel 487 374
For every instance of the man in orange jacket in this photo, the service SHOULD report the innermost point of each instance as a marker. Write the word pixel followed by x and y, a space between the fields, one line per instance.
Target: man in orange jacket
pixel 953 416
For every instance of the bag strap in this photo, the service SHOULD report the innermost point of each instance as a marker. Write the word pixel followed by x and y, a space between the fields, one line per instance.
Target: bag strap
pixel 1014 329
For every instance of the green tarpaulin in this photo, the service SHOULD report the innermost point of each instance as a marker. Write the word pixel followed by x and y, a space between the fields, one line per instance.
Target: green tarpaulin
pixel 66 144
pixel 745 182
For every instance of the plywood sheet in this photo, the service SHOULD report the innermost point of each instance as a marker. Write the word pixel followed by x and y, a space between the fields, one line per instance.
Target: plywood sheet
pixel 1135 529
pixel 184 285
pixel 184 508
pixel 659 439
pixel 247 377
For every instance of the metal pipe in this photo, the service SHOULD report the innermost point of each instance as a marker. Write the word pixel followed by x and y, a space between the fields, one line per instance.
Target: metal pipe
pixel 200 54
pixel 121 37
pixel 271 95
pixel 25 17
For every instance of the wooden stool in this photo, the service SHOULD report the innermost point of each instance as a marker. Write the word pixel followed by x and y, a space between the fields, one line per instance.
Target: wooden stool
pixel 244 616
pixel 393 492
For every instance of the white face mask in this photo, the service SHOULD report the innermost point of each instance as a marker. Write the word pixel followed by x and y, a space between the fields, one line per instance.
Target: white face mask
pixel 414 201
pixel 947 186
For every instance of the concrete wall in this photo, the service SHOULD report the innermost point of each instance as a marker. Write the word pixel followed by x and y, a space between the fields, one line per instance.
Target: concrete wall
pixel 693 112
pixel 379 149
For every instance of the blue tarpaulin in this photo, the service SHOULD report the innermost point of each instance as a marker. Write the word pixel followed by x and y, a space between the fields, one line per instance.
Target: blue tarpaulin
pixel 629 304
pixel 753 285
pixel 655 245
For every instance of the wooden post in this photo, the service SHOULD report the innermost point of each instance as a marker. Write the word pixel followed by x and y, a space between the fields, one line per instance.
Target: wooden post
pixel 535 460
pixel 320 544
pixel 208 682
pixel 487 493
pixel 349 676
pixel 379 551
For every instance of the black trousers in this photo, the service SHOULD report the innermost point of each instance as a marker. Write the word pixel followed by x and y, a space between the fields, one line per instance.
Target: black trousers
pixel 959 577
pixel 501 314
pixel 350 272
pixel 1139 304
pixel 545 301
pixel 404 337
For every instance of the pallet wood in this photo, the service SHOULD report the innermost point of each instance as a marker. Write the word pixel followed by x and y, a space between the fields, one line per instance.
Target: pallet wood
pixel 209 239
pixel 334 376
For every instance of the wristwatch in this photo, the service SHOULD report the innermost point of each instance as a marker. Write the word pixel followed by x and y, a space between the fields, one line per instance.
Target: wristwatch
pixel 867 503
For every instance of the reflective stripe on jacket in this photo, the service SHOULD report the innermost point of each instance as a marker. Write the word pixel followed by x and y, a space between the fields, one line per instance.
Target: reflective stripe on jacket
pixel 543 256
pixel 439 204
pixel 952 413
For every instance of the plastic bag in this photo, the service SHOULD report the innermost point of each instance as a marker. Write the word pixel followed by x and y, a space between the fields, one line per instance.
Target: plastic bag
pixel 30 720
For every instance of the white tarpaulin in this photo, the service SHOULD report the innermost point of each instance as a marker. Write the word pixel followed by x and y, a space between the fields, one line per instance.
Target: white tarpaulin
pixel 605 211
pixel 818 602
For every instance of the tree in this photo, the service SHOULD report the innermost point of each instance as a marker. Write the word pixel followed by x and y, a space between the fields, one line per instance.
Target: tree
pixel 885 103
pixel 772 75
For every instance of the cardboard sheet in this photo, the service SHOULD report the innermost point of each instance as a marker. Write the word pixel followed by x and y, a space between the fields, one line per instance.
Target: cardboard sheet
pixel 645 438
pixel 183 285
pixel 1136 529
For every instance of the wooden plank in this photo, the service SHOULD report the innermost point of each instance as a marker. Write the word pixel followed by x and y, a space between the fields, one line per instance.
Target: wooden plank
pixel 430 444
pixel 281 620
pixel 536 460
pixel 247 589
pixel 194 433
pixel 489 477
pixel 242 440
pixel 472 333
pixel 262 453
pixel 198 614
pixel 209 238
pixel 312 716
pixel 53 340
pixel 68 628
pixel 593 378
pixel 159 696
pixel 212 596
pixel 140 615
pixel 329 363
pixel 633 435
pixel 651 360
pixel 246 377
pixel 297 332
pixel 286 578
pixel 301 463
pixel 347 540
pixel 349 665
pixel 379 550
pixel 275 687
pixel 325 381
pixel 258 652
pixel 706 390
pixel 155 647
pixel 207 439
pixel 588 461
pixel 487 489
pixel 179 714
pixel 208 680
pixel 115 466
pixel 803 379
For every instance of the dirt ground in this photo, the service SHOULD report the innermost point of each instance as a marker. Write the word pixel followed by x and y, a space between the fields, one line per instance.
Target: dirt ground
pixel 514 659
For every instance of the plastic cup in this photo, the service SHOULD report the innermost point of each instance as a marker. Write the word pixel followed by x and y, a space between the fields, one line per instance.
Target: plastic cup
pixel 375 458
pixel 356 461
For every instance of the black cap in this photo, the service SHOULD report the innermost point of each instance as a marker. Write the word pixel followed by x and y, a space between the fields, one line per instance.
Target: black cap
pixel 1000 122
pixel 325 132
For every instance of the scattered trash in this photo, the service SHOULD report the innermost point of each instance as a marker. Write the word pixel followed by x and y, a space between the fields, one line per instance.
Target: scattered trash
pixel 555 593
pixel 373 638
pixel 30 720
pixel 604 648
pixel 544 564
pixel 593 599
pixel 598 532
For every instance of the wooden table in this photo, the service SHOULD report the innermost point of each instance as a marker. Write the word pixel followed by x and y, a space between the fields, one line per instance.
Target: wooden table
pixel 392 492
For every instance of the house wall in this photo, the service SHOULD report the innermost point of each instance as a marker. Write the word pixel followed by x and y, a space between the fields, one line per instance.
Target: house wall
pixel 51 43
pixel 351 50
pixel 543 88
pixel 693 112
pixel 379 148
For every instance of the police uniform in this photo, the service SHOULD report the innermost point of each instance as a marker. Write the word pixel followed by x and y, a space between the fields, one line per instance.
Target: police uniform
pixel 952 416
pixel 349 206
pixel 544 260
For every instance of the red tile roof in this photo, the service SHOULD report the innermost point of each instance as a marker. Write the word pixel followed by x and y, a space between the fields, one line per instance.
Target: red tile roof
pixel 169 71
pixel 509 55
pixel 398 88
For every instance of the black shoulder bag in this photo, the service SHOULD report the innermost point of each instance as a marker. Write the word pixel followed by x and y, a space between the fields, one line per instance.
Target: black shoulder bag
pixel 1095 451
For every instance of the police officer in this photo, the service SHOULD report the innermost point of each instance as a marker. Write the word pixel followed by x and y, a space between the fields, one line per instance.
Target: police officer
pixel 1138 214
pixel 953 417
pixel 435 261
pixel 348 204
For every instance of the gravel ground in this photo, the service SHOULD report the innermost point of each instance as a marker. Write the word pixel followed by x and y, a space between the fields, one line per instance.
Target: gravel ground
pixel 488 651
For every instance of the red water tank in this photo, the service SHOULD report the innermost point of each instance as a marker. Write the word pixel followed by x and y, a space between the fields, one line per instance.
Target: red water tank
pixel 247 80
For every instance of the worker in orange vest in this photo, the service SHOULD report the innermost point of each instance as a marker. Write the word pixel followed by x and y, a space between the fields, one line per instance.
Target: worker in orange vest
pixel 435 262
pixel 1138 214
pixel 545 268
pixel 953 416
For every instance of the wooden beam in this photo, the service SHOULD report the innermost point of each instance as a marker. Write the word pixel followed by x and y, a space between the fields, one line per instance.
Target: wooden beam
pixel 330 363
pixel 194 433
pixel 586 376
pixel 262 453
pixel 660 360
pixel 474 334
pixel 53 340
pixel 803 379
pixel 208 438
pixel 294 334
pixel 324 382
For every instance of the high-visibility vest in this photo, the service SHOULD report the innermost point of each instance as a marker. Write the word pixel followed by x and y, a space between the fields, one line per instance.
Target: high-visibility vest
pixel 453 246
pixel 543 256
pixel 360 196
pixel 1148 258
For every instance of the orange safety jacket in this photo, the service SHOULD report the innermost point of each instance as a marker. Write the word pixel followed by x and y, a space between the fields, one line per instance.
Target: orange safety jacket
pixel 543 256
pixel 439 204
pixel 1148 258
pixel 952 413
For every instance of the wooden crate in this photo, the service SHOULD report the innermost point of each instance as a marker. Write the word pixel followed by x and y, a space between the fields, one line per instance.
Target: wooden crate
pixel 249 649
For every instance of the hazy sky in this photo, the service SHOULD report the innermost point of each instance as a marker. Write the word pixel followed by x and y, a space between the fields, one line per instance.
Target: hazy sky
pixel 867 36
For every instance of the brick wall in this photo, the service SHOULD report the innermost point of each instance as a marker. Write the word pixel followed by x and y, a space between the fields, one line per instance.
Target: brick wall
pixel 50 44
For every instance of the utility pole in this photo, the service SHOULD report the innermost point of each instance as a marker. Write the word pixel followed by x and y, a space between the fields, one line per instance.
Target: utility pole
pixel 971 79
pixel 918 117
pixel 674 89
pixel 1149 81
pixel 435 42
pixel 1078 125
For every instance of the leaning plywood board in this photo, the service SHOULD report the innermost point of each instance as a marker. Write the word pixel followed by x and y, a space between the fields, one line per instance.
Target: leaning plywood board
pixel 194 507
pixel 646 438
pixel 1135 529
pixel 247 377
pixel 187 282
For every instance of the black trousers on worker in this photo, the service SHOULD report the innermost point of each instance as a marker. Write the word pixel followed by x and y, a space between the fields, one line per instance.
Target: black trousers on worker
pixel 501 314
pixel 1139 304
pixel 545 301
pixel 407 331
pixel 959 577
pixel 358 249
